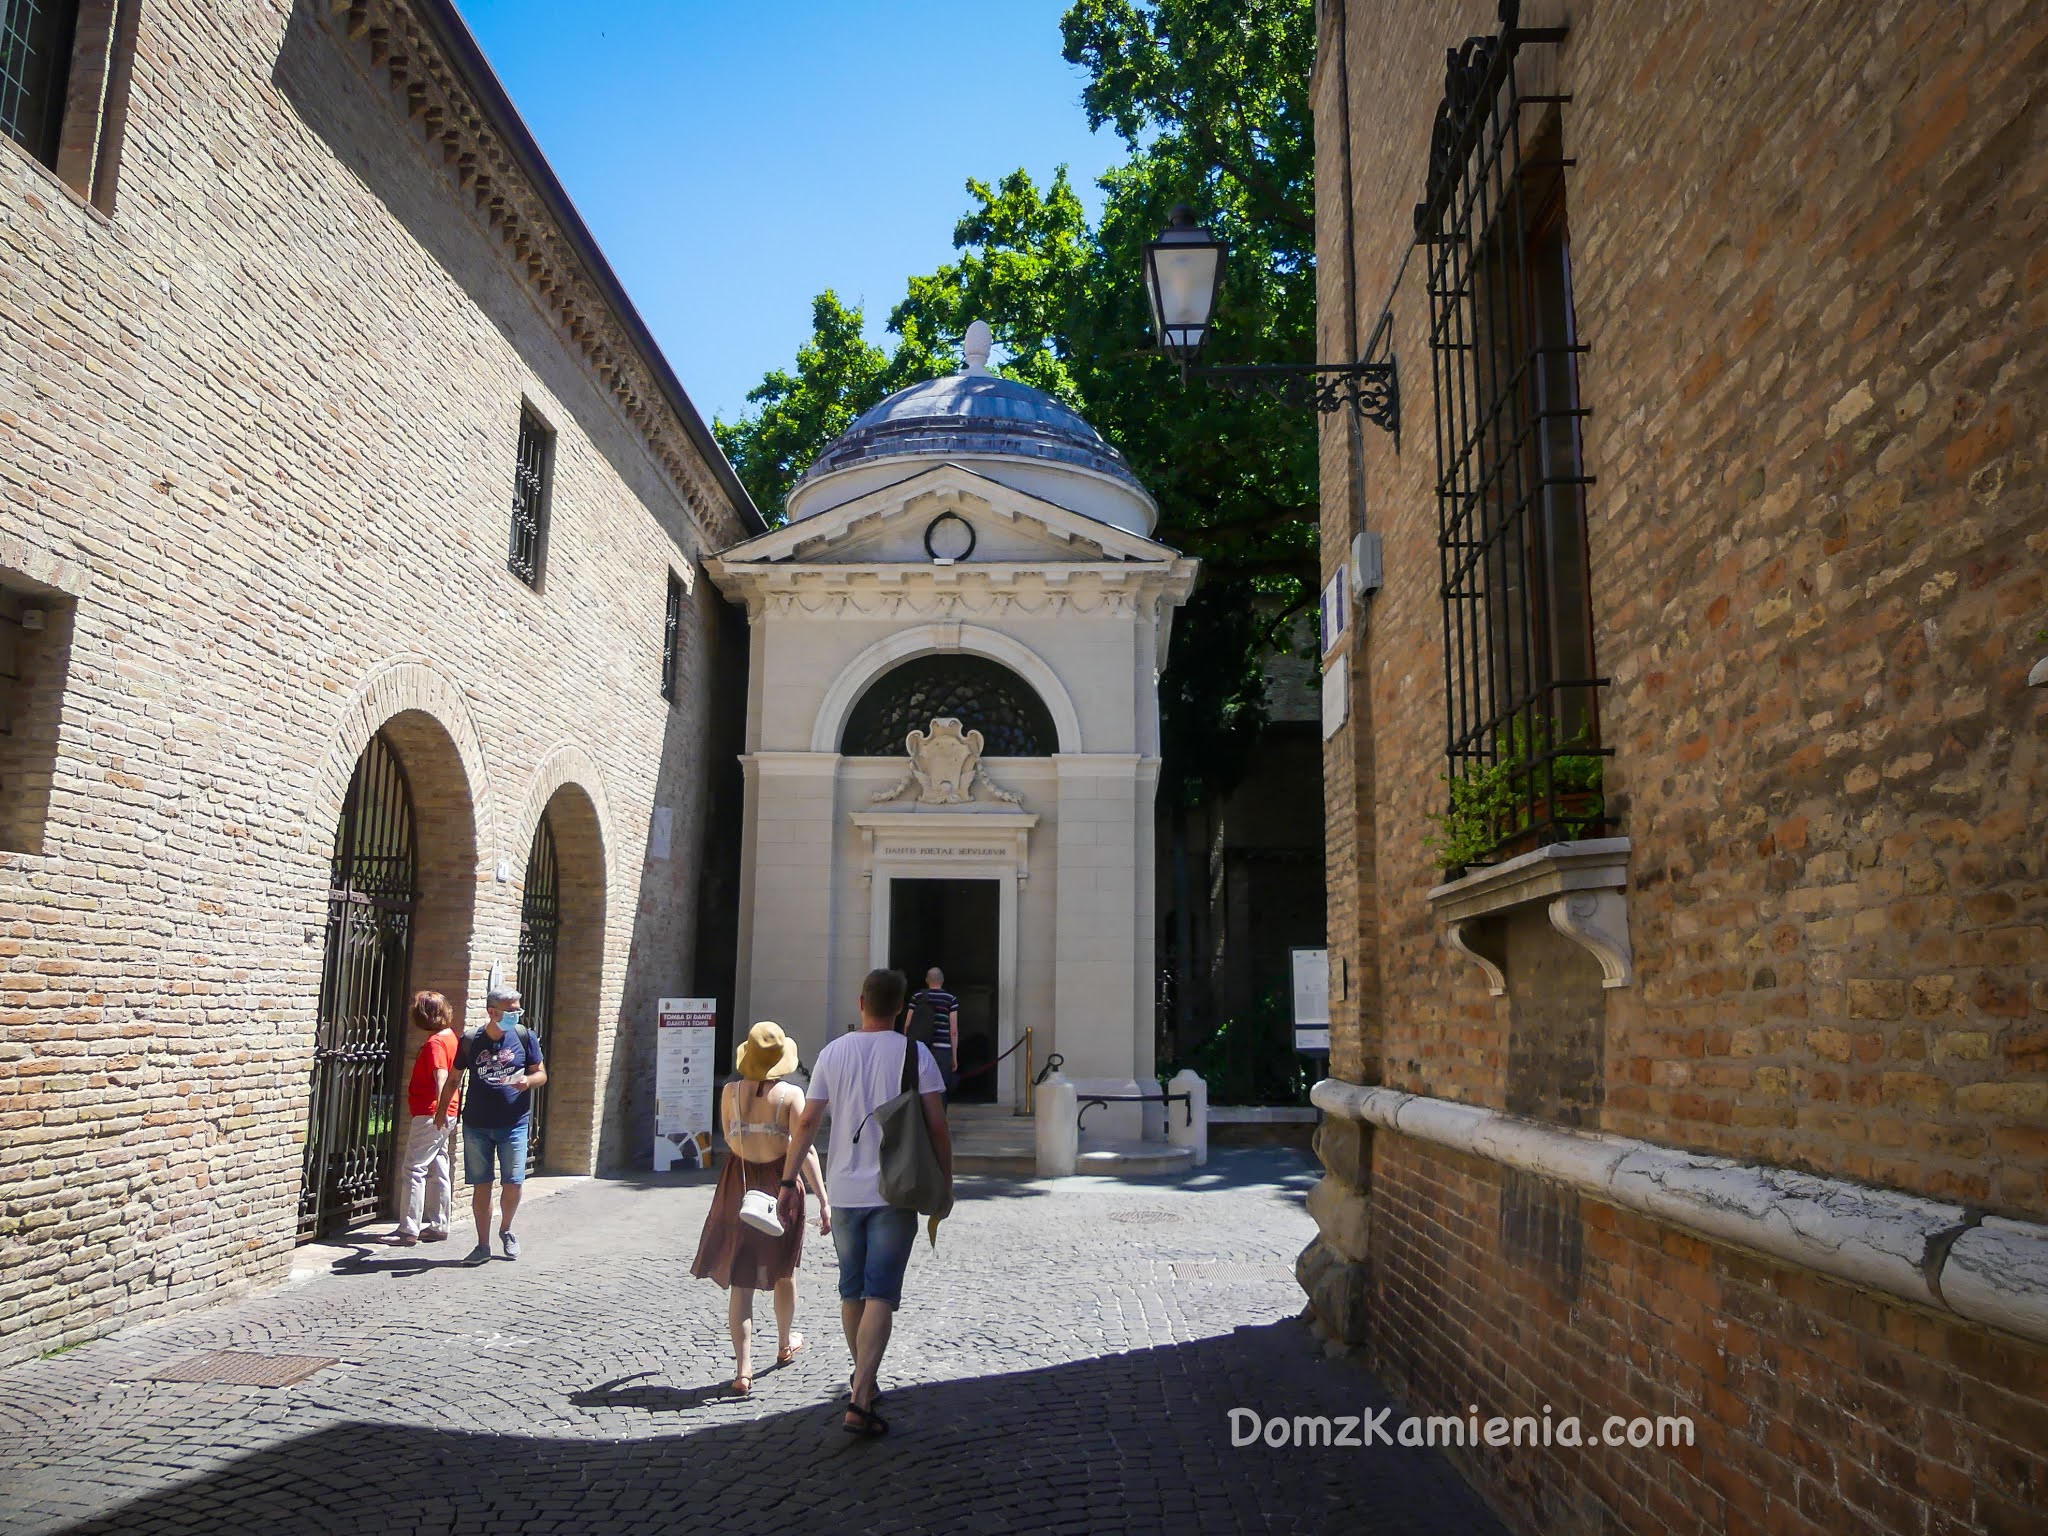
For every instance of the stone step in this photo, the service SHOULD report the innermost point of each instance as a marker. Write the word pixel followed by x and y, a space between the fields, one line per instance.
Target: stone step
pixel 989 1139
pixel 1134 1159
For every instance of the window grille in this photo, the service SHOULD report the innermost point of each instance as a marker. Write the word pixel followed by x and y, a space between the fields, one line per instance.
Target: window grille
pixel 530 500
pixel 1523 736
pixel 982 695
pixel 671 637
pixel 35 70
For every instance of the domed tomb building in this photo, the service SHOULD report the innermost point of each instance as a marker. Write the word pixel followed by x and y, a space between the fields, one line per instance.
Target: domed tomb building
pixel 953 732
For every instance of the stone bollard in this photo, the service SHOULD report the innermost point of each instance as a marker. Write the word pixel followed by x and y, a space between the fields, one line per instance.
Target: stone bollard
pixel 1059 1137
pixel 1179 1132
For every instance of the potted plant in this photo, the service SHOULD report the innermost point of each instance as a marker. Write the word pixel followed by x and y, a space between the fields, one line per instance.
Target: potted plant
pixel 1530 793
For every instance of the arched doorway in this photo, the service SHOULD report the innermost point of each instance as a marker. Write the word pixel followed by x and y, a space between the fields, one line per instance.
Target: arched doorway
pixel 540 923
pixel 358 1048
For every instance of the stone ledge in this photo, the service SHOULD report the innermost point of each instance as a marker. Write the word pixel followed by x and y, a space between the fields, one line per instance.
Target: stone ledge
pixel 1582 883
pixel 2038 678
pixel 1992 1271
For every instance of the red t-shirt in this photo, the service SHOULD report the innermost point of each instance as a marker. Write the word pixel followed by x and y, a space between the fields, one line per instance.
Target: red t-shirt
pixel 438 1054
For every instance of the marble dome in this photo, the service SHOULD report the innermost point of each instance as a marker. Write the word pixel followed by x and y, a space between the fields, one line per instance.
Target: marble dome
pixel 1008 431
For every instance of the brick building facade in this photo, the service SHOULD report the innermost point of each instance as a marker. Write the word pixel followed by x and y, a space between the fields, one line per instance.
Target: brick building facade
pixel 1732 1107
pixel 292 313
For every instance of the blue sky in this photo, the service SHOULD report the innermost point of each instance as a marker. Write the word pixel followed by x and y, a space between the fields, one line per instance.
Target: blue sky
pixel 735 157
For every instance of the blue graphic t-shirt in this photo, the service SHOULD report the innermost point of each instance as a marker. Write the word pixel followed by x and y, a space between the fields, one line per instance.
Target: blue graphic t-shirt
pixel 492 1102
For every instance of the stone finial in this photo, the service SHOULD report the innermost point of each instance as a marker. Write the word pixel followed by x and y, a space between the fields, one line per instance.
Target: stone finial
pixel 975 346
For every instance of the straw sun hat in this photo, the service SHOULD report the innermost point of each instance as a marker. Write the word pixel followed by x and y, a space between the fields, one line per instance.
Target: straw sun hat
pixel 766 1054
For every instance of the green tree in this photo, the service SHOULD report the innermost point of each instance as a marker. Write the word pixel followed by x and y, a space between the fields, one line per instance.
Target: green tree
pixel 1210 98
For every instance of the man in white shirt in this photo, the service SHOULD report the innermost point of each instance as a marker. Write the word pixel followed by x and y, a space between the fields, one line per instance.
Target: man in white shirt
pixel 856 1075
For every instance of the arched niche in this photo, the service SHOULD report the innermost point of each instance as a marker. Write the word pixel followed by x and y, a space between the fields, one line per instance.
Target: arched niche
pixel 927 639
pixel 979 692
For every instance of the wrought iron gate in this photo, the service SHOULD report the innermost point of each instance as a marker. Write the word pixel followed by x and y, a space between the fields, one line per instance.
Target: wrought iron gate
pixel 540 923
pixel 358 1052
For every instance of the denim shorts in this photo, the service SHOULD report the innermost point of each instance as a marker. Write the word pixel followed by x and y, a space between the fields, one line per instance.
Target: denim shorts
pixel 482 1143
pixel 873 1243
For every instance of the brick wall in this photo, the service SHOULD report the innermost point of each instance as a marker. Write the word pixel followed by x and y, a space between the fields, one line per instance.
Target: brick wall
pixel 266 415
pixel 1816 1408
pixel 1806 258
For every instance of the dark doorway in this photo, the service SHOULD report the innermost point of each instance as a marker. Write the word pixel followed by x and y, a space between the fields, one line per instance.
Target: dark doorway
pixel 540 922
pixel 953 924
pixel 359 1047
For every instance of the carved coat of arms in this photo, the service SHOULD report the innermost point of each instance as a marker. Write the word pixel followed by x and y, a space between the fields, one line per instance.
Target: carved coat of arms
pixel 945 765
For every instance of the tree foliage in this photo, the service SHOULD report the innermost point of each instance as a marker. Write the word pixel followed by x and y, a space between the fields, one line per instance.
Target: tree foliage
pixel 1210 98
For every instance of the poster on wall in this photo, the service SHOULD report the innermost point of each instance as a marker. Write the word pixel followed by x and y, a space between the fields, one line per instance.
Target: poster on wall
pixel 1311 999
pixel 685 1069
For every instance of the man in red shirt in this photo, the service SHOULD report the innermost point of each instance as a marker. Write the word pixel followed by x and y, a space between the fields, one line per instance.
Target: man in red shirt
pixel 429 1172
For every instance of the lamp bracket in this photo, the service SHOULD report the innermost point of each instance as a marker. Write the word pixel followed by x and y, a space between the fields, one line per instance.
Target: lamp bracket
pixel 1373 390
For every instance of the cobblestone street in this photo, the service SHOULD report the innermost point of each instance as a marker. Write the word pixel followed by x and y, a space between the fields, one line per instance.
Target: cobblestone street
pixel 1065 1361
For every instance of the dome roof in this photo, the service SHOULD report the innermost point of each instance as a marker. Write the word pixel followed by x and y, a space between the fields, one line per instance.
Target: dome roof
pixel 972 414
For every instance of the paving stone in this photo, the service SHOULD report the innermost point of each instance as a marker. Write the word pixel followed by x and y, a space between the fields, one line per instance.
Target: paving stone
pixel 1051 1370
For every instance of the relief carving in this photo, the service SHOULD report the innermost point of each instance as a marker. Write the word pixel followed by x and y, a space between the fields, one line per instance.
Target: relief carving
pixel 945 763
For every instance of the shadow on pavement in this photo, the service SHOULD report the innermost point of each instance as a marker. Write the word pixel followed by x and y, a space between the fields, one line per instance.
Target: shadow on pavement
pixel 1138 1441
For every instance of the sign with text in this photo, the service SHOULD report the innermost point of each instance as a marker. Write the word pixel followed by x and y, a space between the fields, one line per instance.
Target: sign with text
pixel 1311 999
pixel 685 1069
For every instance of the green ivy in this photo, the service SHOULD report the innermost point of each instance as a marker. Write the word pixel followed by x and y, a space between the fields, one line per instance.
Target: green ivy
pixel 1489 804
pixel 1251 1059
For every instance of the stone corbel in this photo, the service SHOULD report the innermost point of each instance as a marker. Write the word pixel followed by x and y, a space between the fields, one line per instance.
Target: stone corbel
pixel 1460 936
pixel 1597 921
pixel 1582 886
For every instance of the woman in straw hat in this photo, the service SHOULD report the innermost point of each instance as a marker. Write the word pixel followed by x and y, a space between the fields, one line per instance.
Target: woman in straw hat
pixel 745 1246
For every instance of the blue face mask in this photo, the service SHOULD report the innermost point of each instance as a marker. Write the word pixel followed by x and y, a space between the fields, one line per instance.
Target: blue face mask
pixel 510 1023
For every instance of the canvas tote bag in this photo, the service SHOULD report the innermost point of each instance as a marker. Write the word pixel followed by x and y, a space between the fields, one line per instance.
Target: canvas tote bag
pixel 911 1177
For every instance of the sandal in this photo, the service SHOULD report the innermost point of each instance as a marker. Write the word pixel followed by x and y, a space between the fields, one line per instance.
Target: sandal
pixel 742 1386
pixel 876 1402
pixel 872 1425
pixel 796 1347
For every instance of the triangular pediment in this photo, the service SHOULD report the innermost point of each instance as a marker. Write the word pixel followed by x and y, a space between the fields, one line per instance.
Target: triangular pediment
pixel 892 525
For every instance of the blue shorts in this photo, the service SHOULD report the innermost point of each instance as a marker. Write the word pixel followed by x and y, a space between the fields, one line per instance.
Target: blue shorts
pixel 873 1243
pixel 504 1144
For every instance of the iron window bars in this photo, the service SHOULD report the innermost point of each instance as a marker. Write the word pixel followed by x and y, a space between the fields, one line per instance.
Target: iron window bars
pixel 1519 680
pixel 35 70
pixel 671 637
pixel 982 695
pixel 530 499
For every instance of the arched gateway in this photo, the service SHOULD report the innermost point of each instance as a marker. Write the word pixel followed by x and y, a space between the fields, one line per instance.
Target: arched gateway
pixel 953 737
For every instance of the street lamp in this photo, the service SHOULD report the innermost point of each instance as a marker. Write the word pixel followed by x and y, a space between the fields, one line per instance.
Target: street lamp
pixel 1184 273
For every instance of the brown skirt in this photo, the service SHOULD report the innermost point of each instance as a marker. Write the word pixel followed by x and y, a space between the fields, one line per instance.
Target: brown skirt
pixel 733 1253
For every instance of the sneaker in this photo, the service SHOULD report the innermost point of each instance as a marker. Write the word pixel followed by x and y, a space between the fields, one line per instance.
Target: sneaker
pixel 432 1236
pixel 511 1244
pixel 480 1254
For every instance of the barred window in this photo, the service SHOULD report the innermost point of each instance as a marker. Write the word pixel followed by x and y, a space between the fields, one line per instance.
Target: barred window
pixel 671 636
pixel 530 499
pixel 35 69
pixel 64 72
pixel 1520 684
pixel 982 695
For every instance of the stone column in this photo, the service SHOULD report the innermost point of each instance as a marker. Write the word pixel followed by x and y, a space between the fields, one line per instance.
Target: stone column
pixel 786 962
pixel 1098 948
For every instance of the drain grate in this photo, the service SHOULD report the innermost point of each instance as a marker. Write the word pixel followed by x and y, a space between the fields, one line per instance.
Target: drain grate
pixel 240 1368
pixel 1145 1216
pixel 1234 1270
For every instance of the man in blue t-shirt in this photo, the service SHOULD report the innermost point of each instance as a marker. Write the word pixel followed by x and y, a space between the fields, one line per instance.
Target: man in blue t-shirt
pixel 501 1065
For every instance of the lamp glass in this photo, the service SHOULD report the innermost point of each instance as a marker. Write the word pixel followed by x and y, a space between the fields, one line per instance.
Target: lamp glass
pixel 1183 270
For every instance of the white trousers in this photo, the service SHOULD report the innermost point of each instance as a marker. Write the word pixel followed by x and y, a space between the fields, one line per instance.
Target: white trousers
pixel 428 1179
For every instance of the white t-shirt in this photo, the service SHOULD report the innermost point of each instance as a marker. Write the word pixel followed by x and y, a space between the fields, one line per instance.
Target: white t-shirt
pixel 857 1074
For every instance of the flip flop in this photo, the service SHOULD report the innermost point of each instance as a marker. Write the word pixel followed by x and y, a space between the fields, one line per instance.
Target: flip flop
pixel 796 1347
pixel 872 1425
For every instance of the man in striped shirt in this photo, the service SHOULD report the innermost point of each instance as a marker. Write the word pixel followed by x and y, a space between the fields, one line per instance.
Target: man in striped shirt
pixel 935 1022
